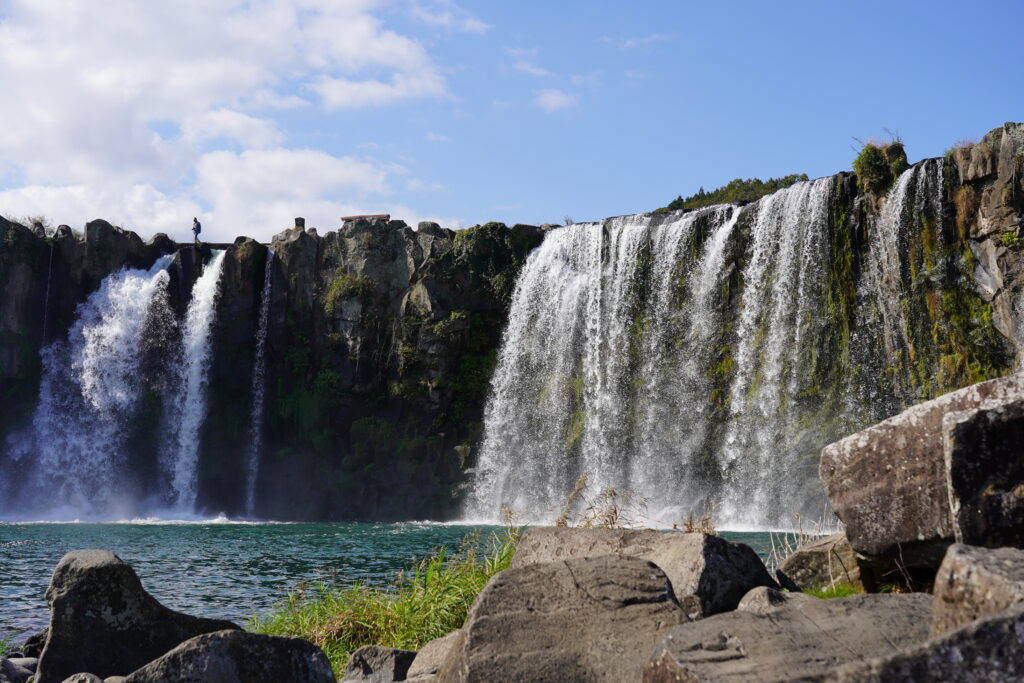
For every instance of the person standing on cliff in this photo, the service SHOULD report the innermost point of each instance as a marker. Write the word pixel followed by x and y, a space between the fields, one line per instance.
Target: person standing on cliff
pixel 197 228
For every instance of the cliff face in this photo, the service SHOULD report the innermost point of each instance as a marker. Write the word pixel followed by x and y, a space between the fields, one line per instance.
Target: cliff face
pixel 381 340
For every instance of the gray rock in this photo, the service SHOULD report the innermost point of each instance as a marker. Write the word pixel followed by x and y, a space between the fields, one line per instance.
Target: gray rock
pixel 30 663
pixel 104 622
pixel 763 599
pixel 887 483
pixel 795 642
pixel 974 583
pixel 990 649
pixel 375 664
pixel 717 571
pixel 33 647
pixel 13 672
pixel 824 562
pixel 587 619
pixel 430 658
pixel 83 678
pixel 985 474
pixel 238 657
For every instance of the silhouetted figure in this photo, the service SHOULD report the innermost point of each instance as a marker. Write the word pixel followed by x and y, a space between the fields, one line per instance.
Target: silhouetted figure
pixel 197 228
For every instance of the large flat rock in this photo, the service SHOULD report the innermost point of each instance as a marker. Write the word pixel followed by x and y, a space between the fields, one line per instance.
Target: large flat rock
pixel 586 619
pixel 802 641
pixel 717 571
pixel 103 622
pixel 887 483
pixel 990 649
pixel 974 583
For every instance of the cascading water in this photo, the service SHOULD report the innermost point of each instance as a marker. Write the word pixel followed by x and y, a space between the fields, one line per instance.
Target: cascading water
pixel 89 395
pixel 259 388
pixel 186 408
pixel 701 359
pixel 604 364
pixel 46 299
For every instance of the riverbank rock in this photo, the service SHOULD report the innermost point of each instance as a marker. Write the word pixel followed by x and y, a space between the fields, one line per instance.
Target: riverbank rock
pixel 763 599
pixel 824 562
pixel 974 583
pixel 985 474
pixel 989 649
pixel 798 642
pixel 376 664
pixel 582 619
pixel 102 621
pixel 888 483
pixel 715 570
pixel 16 670
pixel 234 656
pixel 430 658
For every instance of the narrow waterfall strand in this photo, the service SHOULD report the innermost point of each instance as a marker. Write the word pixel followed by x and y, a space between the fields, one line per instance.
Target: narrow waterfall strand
pixel 259 388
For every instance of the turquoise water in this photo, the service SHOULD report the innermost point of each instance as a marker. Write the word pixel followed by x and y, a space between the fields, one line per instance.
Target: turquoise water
pixel 224 569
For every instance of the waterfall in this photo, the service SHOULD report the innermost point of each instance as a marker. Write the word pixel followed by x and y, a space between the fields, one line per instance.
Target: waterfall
pixel 604 364
pixel 186 409
pixel 89 394
pixel 46 299
pixel 703 359
pixel 259 389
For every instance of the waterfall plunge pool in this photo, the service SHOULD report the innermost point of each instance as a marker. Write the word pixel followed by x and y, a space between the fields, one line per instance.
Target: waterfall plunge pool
pixel 222 568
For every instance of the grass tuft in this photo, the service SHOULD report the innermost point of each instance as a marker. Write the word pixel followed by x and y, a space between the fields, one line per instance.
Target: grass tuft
pixel 839 590
pixel 428 601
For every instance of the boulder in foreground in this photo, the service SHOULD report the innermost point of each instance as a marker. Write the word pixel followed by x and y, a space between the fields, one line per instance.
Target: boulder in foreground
pixel 990 649
pixel 587 619
pixel 717 571
pixel 984 451
pixel 799 642
pixel 103 622
pixel 888 483
pixel 823 563
pixel 974 583
pixel 238 657
pixel 376 664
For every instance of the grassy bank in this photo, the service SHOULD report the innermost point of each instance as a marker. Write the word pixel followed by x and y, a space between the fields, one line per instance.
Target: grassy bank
pixel 428 601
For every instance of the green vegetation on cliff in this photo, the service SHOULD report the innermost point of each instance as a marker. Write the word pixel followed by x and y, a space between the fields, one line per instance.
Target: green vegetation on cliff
pixel 429 601
pixel 738 191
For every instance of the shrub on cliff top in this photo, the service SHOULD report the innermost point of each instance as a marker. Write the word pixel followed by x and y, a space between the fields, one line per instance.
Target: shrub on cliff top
pixel 431 600
pixel 878 165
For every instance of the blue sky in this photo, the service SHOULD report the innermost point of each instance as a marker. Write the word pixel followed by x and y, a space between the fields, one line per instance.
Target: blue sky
pixel 250 113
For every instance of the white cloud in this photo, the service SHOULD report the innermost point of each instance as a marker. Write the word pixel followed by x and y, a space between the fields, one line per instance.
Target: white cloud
pixel 123 109
pixel 417 185
pixel 247 130
pixel 531 68
pixel 552 100
pixel 630 43
pixel 431 136
pixel 343 93
pixel 447 15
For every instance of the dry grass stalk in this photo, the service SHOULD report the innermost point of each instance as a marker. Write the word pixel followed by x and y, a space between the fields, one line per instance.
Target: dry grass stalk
pixel 566 514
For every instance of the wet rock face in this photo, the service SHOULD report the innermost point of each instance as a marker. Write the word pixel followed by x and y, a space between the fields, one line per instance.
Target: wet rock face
pixel 719 573
pixel 234 656
pixel 103 622
pixel 976 582
pixel 888 483
pixel 801 641
pixel 587 619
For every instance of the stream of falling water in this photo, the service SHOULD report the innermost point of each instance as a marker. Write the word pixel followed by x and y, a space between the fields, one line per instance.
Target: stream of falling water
pixel 187 407
pixel 259 388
